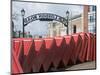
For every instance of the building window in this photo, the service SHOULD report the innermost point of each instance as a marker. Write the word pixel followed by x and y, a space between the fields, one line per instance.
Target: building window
pixel 54 33
pixel 94 8
pixel 53 25
pixel 92 19
pixel 92 28
pixel 74 29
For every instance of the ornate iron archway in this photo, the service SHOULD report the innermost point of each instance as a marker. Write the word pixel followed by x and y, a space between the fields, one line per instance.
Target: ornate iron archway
pixel 44 17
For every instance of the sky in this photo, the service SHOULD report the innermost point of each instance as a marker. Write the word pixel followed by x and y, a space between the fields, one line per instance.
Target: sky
pixel 40 27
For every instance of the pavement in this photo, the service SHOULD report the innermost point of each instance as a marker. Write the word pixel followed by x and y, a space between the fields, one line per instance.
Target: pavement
pixel 82 66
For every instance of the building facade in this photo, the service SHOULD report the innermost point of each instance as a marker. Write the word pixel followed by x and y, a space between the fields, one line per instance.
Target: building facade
pixel 76 24
pixel 58 29
pixel 92 19
pixel 84 22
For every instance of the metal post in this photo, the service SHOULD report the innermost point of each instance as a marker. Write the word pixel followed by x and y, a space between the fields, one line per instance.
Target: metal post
pixel 23 13
pixel 67 15
pixel 23 27
pixel 19 33
pixel 67 27
pixel 13 35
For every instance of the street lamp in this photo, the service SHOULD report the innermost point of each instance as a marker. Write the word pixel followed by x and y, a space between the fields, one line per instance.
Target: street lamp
pixel 23 13
pixel 67 16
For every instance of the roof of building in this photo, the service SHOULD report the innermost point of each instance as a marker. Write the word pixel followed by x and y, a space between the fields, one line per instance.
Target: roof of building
pixel 76 16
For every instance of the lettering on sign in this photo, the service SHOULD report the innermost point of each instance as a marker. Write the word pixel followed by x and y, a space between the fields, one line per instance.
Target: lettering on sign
pixel 44 17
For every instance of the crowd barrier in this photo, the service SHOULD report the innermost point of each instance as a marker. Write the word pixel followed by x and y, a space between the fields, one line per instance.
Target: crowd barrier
pixel 36 55
pixel 50 47
pixel 40 55
pixel 16 67
pixel 68 52
pixel 82 55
